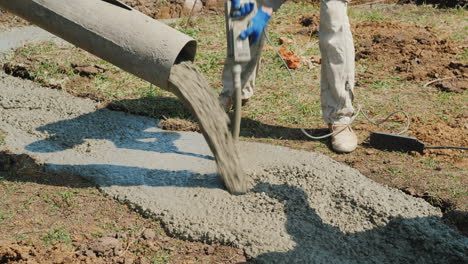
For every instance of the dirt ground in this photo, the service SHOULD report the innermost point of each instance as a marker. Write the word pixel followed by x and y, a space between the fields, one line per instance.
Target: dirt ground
pixel 44 218
pixel 418 54
pixel 8 20
pixel 439 3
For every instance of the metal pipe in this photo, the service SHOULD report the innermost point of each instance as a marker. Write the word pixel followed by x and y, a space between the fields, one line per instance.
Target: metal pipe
pixel 236 72
pixel 119 34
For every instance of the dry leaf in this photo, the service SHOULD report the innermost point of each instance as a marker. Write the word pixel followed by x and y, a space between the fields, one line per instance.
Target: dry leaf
pixel 268 47
pixel 285 40
pixel 292 60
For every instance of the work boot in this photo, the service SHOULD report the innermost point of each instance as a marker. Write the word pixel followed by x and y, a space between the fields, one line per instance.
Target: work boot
pixel 227 103
pixel 345 141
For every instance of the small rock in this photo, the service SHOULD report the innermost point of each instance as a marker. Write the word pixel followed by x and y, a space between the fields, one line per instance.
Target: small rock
pixel 189 4
pixel 129 260
pixel 142 260
pixel 209 250
pixel 149 234
pixel 316 59
pixel 285 40
pixel 89 253
pixel 87 70
pixel 106 247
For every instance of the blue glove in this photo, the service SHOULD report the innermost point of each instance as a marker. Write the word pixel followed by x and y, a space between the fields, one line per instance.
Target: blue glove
pixel 257 24
pixel 239 10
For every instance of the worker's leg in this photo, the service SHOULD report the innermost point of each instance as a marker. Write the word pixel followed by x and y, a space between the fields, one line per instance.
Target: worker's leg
pixel 337 73
pixel 248 75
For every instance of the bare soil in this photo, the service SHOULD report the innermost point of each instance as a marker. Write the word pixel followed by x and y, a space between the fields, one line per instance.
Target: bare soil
pixel 437 3
pixel 176 124
pixel 46 218
pixel 174 8
pixel 415 52
pixel 9 20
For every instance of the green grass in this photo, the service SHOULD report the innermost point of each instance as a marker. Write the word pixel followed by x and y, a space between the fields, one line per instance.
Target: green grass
pixel 5 216
pixel 21 237
pixel 159 258
pixel 67 197
pixel 97 234
pixel 464 55
pixel 57 236
pixel 430 162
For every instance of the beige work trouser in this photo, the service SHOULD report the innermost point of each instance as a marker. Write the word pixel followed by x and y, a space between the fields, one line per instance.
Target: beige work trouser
pixel 337 72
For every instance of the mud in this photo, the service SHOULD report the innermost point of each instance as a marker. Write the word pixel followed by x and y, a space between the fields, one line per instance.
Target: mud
pixel 190 86
pixel 304 208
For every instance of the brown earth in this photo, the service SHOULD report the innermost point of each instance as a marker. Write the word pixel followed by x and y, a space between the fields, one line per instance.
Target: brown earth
pixel 174 8
pixel 413 51
pixel 46 218
pixel 176 124
pixel 8 20
pixel 310 24
pixel 417 54
pixel 437 3
pixel 154 9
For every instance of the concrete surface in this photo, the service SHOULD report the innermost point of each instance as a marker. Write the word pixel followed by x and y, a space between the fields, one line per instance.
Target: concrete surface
pixel 17 37
pixel 305 207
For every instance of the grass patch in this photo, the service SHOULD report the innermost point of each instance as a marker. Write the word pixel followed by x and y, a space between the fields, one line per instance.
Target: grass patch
pixel 56 236
pixel 2 138
pixel 68 197
pixel 5 216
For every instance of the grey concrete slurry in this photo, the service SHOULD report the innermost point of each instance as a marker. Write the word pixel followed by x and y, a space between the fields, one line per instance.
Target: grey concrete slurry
pixel 17 37
pixel 304 208
pixel 188 83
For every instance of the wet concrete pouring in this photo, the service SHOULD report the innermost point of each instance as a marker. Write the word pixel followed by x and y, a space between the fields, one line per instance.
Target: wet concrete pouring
pixel 304 207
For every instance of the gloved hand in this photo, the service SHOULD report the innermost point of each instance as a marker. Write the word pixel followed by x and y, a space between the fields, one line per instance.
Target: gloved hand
pixel 257 24
pixel 239 10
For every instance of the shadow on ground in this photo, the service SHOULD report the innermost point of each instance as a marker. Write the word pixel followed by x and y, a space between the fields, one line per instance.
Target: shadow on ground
pixel 134 134
pixel 22 168
pixel 171 107
pixel 401 240
pixel 160 107
pixel 256 129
